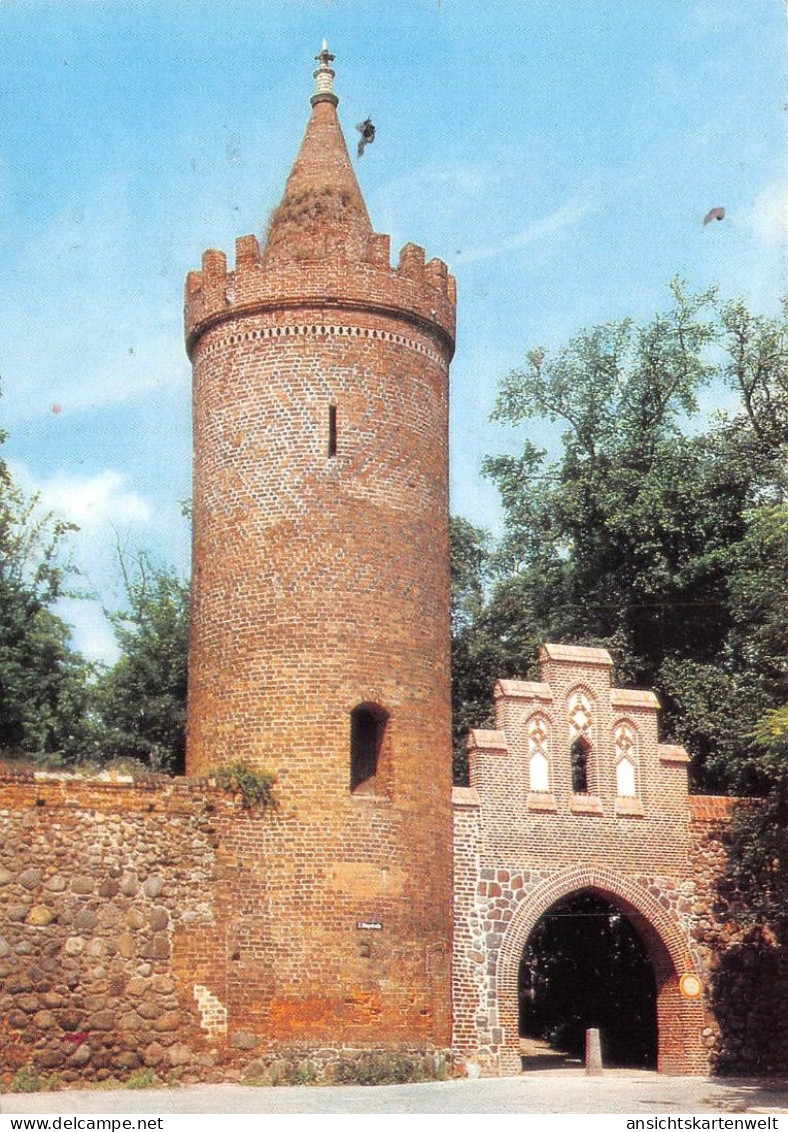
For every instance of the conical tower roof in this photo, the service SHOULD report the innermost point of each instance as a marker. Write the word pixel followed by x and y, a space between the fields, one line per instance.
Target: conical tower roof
pixel 322 211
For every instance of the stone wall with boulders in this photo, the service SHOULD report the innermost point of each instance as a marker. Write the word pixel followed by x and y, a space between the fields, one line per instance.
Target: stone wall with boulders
pixel 132 939
pixel 133 926
pixel 746 962
pixel 97 881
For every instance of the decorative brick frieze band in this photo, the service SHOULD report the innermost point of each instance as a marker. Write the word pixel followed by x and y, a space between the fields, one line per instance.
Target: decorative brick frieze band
pixel 321 330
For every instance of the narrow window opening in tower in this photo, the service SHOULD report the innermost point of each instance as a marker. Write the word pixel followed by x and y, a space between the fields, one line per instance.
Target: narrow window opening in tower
pixel 332 430
pixel 367 730
pixel 578 753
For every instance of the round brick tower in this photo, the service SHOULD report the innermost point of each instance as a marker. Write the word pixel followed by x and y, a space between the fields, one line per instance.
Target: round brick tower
pixel 320 607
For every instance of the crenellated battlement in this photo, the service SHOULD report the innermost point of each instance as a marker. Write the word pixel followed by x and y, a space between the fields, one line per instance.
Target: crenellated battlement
pixel 422 294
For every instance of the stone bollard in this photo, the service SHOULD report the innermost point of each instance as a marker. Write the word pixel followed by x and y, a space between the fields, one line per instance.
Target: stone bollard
pixel 593 1053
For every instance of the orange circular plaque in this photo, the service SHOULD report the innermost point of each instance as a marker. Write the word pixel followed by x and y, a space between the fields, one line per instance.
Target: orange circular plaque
pixel 690 986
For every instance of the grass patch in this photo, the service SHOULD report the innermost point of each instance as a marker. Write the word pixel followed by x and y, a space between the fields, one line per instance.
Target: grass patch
pixel 29 1080
pixel 142 1079
pixel 379 1067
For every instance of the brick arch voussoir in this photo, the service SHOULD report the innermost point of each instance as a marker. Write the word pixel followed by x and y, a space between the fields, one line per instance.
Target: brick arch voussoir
pixel 587 691
pixel 626 894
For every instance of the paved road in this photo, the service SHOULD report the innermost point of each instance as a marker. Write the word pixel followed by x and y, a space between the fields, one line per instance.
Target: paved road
pixel 558 1091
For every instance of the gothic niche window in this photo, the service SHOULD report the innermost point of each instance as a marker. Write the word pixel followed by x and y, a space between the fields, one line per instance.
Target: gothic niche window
pixel 581 723
pixel 625 746
pixel 578 754
pixel 538 756
pixel 367 729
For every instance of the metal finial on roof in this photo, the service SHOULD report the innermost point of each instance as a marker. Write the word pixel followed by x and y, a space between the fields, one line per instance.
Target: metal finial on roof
pixel 324 76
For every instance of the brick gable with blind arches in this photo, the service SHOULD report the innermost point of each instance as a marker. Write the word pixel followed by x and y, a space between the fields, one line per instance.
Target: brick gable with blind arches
pixel 530 830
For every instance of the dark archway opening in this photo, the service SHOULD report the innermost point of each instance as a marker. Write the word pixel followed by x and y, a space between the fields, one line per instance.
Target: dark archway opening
pixel 585 965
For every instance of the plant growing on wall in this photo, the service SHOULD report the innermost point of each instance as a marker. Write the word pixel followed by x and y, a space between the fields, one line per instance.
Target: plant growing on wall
pixel 255 787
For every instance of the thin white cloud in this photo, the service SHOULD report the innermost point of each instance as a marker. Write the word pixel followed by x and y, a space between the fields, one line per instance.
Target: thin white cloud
pixel 561 219
pixel 94 501
pixel 757 269
pixel 91 316
pixel 768 217
pixel 407 207
pixel 460 181
pixel 710 15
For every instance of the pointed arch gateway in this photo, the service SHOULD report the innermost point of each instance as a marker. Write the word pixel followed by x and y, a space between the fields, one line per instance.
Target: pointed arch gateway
pixel 679 1020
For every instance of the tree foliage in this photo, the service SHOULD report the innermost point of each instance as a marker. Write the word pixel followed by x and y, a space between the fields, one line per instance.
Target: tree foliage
pixel 654 532
pixel 44 694
pixel 142 698
pixel 475 655
pixel 758 850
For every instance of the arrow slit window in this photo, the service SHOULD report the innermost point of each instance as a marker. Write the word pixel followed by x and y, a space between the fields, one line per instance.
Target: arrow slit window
pixel 332 430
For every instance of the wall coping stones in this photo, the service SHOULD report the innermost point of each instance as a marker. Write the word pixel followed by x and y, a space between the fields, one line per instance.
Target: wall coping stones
pixel 542 802
pixel 575 654
pixel 629 808
pixel 670 753
pixel 481 740
pixel 523 690
pixel 712 807
pixel 633 697
pixel 585 804
pixel 465 796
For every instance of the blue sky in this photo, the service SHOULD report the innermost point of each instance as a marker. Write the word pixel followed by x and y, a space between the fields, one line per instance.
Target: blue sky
pixel 559 155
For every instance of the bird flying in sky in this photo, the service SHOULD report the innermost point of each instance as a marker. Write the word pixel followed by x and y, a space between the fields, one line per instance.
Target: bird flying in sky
pixel 714 214
pixel 367 131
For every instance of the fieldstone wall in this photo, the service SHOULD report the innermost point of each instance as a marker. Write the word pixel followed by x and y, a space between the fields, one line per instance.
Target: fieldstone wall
pixel 97 882
pixel 135 937
pixel 746 963
pixel 128 938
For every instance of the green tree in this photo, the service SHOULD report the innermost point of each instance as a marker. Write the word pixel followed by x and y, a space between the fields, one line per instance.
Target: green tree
pixel 718 704
pixel 44 695
pixel 719 707
pixel 757 366
pixel 142 698
pixel 471 667
pixel 646 535
pixel 757 876
pixel 490 639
